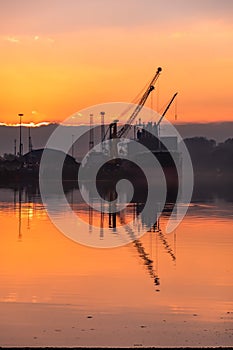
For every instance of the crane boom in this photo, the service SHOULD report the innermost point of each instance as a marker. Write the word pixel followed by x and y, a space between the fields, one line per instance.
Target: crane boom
pixel 167 108
pixel 126 127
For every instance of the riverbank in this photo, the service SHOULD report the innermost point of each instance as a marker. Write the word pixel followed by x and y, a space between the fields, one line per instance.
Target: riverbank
pixel 26 324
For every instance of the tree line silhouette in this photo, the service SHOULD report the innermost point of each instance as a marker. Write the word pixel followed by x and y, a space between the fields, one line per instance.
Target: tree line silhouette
pixel 209 157
pixel 213 168
pixel 212 163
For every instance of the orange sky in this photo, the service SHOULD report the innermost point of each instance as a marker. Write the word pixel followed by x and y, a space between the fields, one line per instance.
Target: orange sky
pixel 59 58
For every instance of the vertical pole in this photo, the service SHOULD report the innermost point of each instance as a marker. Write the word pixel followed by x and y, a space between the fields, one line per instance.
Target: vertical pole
pixel 15 147
pixel 91 140
pixel 20 134
pixel 158 96
pixel 72 147
pixel 102 129
pixel 176 109
pixel 29 140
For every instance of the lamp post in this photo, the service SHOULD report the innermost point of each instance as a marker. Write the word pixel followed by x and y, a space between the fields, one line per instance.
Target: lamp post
pixel 20 134
pixel 91 140
pixel 102 130
pixel 72 147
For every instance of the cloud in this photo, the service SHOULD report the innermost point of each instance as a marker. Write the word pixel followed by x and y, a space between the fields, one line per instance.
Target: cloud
pixel 28 39
pixel 31 124
pixel 12 40
pixel 59 16
pixel 50 40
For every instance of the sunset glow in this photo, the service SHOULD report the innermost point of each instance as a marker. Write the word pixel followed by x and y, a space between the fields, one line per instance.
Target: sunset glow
pixel 61 57
pixel 30 125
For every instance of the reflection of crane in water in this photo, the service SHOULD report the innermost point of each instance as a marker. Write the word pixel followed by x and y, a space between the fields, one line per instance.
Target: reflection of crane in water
pixel 147 261
pixel 113 218
pixel 112 224
pixel 142 253
pixel 156 228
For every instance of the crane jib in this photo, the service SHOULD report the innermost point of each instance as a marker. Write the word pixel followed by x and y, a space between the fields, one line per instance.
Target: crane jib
pixel 124 130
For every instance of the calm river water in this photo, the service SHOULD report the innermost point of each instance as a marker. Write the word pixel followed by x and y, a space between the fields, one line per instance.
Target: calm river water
pixel 51 286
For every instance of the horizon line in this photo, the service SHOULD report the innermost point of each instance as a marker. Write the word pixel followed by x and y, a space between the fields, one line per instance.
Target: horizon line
pixel 47 123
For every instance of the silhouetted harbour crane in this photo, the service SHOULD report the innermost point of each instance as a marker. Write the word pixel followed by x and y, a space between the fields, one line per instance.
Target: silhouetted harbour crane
pixel 123 131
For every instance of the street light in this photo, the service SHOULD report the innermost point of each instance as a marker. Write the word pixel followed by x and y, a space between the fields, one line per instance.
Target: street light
pixel 72 147
pixel 20 134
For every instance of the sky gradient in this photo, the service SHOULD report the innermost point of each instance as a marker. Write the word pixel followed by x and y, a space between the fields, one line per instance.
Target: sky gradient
pixel 58 57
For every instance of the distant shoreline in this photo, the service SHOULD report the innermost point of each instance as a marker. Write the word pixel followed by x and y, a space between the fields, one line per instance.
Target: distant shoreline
pixel 219 131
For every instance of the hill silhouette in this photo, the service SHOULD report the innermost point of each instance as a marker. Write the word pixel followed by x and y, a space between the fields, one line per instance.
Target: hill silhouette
pixel 213 167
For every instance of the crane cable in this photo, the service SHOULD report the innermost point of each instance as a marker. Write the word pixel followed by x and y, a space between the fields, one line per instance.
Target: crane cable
pixel 176 109
pixel 135 100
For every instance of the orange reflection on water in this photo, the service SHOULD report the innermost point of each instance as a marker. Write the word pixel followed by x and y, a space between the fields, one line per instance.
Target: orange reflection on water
pixel 187 271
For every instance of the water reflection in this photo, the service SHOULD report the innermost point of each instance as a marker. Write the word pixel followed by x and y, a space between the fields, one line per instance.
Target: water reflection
pixel 190 268
pixel 27 203
pixel 50 283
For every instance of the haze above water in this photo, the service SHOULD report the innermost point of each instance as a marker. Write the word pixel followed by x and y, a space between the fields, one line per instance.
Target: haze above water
pixel 164 289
